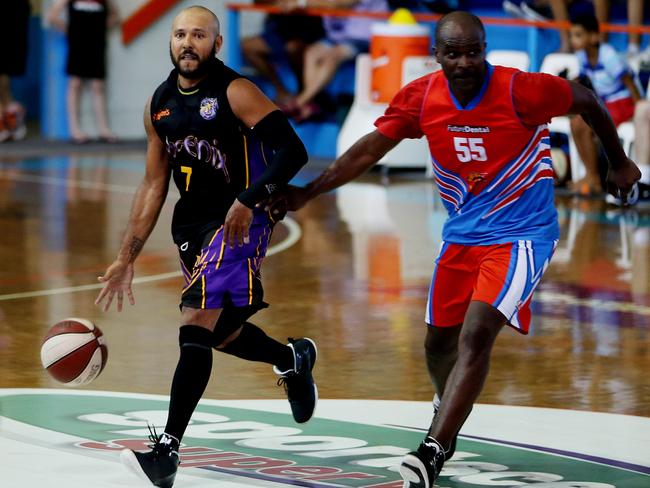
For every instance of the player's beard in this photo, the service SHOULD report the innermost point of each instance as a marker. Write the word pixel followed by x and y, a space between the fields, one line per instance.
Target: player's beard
pixel 199 71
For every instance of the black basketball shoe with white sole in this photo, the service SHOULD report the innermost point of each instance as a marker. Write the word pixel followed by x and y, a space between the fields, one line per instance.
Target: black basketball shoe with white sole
pixel 420 469
pixel 298 382
pixel 157 466
pixel 452 447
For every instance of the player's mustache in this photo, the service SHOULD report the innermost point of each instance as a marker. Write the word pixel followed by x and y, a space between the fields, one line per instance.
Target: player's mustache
pixel 188 53
pixel 466 73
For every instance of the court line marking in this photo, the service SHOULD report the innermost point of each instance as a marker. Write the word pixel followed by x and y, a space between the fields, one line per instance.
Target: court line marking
pixel 295 233
pixel 88 185
pixel 383 415
pixel 590 458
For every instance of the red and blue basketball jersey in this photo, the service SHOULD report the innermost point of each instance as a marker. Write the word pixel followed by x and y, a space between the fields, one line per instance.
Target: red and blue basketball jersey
pixel 491 158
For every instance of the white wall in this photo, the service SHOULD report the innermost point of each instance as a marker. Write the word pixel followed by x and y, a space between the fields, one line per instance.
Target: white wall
pixel 134 71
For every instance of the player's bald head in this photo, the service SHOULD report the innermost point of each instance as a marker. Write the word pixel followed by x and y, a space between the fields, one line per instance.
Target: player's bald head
pixel 195 42
pixel 459 25
pixel 203 14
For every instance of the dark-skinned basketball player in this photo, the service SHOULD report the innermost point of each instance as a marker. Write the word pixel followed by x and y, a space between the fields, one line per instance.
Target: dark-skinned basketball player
pixel 486 129
pixel 227 148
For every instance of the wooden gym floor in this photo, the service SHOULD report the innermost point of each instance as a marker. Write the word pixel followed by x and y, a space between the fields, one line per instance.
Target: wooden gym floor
pixel 355 280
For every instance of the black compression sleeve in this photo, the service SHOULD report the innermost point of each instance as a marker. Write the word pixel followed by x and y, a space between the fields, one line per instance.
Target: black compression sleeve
pixel 289 155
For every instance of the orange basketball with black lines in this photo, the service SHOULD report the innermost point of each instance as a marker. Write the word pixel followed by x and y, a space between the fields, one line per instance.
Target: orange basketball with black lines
pixel 74 351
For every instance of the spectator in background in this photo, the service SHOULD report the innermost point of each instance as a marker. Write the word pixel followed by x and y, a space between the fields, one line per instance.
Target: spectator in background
pixel 13 61
pixel 345 38
pixel 435 6
pixel 542 11
pixel 612 81
pixel 86 27
pixel 284 36
pixel 634 18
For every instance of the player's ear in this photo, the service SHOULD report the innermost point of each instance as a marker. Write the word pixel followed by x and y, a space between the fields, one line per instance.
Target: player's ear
pixel 218 42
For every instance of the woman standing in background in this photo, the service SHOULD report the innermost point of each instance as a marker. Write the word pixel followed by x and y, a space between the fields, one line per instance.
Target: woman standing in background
pixel 86 28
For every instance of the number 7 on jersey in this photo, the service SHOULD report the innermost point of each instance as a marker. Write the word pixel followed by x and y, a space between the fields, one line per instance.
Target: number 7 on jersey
pixel 188 174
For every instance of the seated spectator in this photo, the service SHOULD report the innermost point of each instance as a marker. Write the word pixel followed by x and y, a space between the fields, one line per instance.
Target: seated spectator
pixel 634 17
pixel 436 6
pixel 612 81
pixel 541 11
pixel 345 38
pixel 284 37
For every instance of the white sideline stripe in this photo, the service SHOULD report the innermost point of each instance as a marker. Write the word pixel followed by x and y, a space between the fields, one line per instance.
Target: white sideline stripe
pixel 295 233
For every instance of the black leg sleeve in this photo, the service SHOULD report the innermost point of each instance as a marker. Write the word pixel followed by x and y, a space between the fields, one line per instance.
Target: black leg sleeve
pixel 253 344
pixel 191 377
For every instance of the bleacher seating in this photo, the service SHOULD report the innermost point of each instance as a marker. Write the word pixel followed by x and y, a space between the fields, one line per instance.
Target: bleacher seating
pixel 626 130
pixel 409 153
pixel 537 44
pixel 555 64
pixel 509 57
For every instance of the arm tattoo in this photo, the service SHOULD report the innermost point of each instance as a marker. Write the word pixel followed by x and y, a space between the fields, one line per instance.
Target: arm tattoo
pixel 135 247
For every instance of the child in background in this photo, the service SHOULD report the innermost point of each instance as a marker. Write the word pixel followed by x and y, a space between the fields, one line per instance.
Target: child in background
pixel 613 82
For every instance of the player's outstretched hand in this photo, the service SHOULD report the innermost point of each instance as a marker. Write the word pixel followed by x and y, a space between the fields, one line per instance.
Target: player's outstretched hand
pixel 276 207
pixel 117 280
pixel 621 180
pixel 238 221
pixel 290 198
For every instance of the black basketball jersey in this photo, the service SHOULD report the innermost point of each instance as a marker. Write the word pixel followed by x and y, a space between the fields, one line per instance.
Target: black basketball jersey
pixel 213 156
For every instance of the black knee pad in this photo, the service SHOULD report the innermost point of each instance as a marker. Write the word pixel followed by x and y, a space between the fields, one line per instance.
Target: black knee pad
pixel 195 336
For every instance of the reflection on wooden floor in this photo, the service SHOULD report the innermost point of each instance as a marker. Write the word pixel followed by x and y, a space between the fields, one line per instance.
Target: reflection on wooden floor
pixel 356 282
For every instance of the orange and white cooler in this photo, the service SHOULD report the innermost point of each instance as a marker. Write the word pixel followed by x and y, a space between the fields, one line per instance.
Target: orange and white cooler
pixel 391 42
pixel 399 53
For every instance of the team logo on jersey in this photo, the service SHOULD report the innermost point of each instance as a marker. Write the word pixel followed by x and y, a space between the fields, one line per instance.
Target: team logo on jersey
pixel 200 149
pixel 209 108
pixel 162 114
pixel 476 177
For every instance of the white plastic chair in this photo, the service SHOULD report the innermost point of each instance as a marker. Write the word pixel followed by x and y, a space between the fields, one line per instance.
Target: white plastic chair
pixel 626 135
pixel 626 132
pixel 414 67
pixel 554 64
pixel 411 153
pixel 509 58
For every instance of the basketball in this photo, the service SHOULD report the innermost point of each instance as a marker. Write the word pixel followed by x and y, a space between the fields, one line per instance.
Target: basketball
pixel 74 351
